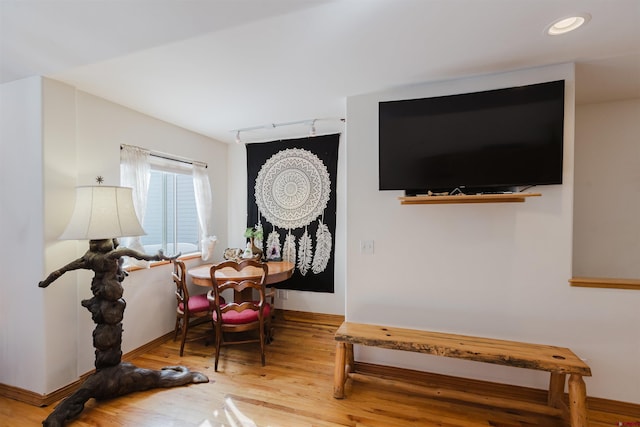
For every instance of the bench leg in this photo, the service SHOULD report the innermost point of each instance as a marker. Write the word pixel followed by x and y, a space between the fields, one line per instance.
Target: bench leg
pixel 556 389
pixel 339 375
pixel 577 401
pixel 350 361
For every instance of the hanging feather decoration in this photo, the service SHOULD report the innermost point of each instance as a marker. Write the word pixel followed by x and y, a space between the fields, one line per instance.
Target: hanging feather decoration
pixel 289 248
pixel 274 251
pixel 305 252
pixel 323 248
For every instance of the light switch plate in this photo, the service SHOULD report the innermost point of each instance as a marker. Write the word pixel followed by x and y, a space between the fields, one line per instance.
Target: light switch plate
pixel 366 247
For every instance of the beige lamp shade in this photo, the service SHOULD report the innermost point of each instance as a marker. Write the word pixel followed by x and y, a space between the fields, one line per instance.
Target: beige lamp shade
pixel 102 212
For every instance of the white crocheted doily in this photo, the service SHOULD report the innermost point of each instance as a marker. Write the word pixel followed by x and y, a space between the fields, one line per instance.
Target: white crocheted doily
pixel 292 188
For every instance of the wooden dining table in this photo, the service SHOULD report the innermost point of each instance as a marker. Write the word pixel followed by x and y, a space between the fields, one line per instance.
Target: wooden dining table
pixel 279 271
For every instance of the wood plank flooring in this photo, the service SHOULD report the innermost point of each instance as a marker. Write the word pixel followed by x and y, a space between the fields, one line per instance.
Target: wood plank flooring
pixel 294 389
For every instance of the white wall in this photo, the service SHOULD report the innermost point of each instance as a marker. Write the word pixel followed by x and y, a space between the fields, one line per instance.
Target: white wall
pixel 607 194
pixel 102 127
pixel 22 314
pixel 316 302
pixel 59 168
pixel 497 270
pixel 57 138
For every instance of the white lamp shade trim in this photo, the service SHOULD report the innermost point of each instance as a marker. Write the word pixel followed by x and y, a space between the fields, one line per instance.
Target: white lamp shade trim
pixel 102 212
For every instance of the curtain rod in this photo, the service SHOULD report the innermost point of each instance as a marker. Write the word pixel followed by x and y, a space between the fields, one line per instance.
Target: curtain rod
pixel 167 156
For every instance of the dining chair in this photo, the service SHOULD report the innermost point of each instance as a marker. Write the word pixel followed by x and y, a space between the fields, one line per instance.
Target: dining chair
pixel 196 307
pixel 250 316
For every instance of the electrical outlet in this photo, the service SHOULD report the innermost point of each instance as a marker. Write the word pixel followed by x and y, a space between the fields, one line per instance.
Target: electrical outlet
pixel 282 294
pixel 366 247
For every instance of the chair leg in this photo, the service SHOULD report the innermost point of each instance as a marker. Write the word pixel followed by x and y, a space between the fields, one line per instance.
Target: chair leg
pixel 268 332
pixel 213 334
pixel 185 329
pixel 218 332
pixel 262 341
pixel 176 328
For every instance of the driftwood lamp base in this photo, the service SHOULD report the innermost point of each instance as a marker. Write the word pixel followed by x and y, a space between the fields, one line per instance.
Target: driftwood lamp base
pixel 112 378
pixel 119 380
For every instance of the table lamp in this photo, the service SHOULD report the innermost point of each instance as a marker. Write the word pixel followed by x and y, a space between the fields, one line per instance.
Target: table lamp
pixel 101 215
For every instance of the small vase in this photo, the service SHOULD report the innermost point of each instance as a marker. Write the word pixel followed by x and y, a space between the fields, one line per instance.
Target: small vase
pixel 257 252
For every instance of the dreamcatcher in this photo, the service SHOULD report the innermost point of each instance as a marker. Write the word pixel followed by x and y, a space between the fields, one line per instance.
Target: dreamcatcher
pixel 292 190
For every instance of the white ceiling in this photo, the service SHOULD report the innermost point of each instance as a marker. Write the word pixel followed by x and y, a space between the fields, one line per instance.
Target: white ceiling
pixel 213 66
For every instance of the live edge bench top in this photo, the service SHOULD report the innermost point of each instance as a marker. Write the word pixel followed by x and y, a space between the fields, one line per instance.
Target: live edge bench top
pixel 501 352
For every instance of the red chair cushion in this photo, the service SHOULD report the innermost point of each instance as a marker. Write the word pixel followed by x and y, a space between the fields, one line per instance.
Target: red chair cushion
pixel 198 303
pixel 242 317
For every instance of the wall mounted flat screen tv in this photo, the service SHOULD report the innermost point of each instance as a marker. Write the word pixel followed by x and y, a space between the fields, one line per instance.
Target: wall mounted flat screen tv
pixel 490 141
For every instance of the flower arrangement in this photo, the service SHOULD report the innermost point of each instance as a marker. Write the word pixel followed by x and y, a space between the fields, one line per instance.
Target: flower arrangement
pixel 254 233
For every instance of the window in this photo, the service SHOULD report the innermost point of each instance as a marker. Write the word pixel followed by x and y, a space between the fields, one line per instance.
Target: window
pixel 174 198
pixel 171 219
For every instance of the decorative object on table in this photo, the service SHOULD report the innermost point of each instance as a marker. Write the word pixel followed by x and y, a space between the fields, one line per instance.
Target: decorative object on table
pixel 258 234
pixel 247 254
pixel 101 215
pixel 232 254
pixel 253 234
pixel 274 252
pixel 292 187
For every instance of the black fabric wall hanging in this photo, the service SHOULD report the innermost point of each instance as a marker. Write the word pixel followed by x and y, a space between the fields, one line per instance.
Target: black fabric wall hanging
pixel 291 188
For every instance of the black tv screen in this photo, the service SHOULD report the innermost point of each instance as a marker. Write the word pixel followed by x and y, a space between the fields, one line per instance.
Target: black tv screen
pixel 482 141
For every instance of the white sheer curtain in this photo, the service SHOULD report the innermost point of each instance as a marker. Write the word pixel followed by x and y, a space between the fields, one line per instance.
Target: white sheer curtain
pixel 202 191
pixel 135 172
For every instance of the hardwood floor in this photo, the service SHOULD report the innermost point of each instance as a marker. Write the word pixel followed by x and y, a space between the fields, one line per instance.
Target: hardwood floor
pixel 293 389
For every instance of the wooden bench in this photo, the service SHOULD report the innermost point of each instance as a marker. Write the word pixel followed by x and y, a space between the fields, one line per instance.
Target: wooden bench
pixel 559 361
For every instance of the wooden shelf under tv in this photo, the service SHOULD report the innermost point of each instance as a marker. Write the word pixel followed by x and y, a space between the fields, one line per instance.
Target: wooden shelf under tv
pixel 467 198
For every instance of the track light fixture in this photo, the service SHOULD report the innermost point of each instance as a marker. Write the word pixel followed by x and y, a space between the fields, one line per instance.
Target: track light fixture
pixel 309 122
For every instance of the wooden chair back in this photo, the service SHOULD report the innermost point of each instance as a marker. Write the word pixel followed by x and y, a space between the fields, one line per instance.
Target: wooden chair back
pixel 242 315
pixel 179 279
pixel 187 306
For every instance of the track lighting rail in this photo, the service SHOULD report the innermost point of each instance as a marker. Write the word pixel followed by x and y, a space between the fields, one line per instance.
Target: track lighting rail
pixel 308 122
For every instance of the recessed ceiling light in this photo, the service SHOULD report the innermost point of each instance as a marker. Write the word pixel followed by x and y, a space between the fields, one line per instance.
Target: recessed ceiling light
pixel 565 25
